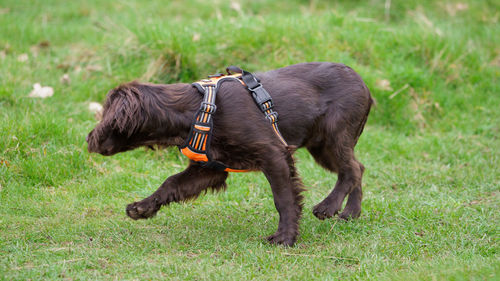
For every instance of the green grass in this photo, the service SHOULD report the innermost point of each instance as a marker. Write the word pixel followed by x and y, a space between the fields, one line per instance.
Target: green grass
pixel 430 210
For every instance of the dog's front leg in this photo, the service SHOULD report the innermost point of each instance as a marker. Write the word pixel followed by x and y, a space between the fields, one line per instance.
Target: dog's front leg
pixel 286 188
pixel 179 187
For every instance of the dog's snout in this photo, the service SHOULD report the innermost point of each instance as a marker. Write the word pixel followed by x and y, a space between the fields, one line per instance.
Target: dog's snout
pixel 91 143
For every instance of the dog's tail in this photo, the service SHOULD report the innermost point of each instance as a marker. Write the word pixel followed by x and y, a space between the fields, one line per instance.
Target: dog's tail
pixel 371 102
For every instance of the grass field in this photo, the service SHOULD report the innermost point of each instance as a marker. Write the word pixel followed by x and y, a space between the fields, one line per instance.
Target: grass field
pixel 431 147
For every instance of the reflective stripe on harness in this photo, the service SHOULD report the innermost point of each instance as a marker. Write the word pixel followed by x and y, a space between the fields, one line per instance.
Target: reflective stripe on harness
pixel 197 145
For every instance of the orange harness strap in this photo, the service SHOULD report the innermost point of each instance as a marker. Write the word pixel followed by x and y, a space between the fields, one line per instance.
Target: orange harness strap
pixel 197 145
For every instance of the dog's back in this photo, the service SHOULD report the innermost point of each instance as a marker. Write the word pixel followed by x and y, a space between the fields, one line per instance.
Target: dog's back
pixel 319 97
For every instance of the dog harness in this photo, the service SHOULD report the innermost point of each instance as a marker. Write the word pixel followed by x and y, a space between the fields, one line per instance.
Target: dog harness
pixel 197 145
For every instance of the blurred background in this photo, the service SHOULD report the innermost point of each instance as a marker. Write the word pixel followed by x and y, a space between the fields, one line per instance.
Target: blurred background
pixel 431 144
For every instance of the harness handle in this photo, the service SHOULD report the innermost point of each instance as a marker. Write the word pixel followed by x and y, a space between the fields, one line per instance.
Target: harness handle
pixel 234 69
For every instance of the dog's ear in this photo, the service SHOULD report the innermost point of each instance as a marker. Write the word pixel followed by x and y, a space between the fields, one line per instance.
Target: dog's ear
pixel 123 110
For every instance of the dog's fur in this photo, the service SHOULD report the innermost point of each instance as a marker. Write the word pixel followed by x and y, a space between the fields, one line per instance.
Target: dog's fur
pixel 321 106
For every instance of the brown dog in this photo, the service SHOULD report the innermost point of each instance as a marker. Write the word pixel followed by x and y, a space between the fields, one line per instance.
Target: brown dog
pixel 321 106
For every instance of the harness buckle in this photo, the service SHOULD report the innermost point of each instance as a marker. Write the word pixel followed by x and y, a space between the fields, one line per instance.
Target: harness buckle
pixel 208 107
pixel 261 96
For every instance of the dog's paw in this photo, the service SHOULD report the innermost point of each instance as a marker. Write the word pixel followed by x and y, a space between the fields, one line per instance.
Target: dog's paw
pixel 326 209
pixel 282 238
pixel 350 213
pixel 144 209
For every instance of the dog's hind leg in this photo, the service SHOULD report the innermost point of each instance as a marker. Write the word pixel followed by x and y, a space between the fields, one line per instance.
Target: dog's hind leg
pixel 338 156
pixel 179 187
pixel 286 187
pixel 353 206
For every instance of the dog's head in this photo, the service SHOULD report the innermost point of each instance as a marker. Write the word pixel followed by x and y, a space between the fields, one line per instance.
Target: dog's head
pixel 122 120
pixel 141 114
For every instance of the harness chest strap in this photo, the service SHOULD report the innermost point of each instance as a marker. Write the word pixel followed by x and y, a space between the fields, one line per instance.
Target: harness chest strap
pixel 197 145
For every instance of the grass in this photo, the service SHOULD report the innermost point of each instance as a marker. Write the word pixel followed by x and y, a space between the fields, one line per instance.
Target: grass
pixel 431 146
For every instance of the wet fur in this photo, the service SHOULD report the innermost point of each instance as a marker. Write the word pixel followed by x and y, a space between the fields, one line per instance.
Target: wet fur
pixel 321 106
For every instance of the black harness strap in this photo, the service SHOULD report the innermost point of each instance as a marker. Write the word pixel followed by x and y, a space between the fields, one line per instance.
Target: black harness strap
pixel 261 98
